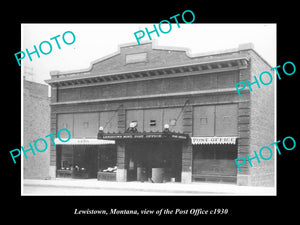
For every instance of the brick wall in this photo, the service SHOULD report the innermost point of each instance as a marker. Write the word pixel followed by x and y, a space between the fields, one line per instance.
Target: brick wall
pixel 156 57
pixel 36 125
pixel 262 131
pixel 153 86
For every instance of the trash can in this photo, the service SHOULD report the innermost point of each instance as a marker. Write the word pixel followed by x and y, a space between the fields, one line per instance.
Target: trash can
pixel 141 174
pixel 157 175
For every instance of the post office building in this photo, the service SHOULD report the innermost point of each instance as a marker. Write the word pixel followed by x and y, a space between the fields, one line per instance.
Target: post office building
pixel 159 114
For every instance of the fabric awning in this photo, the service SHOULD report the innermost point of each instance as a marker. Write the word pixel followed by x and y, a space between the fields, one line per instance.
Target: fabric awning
pixel 78 141
pixel 213 140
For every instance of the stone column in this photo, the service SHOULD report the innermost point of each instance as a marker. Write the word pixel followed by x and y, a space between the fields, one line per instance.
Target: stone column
pixel 121 163
pixel 243 142
pixel 121 151
pixel 187 148
pixel 187 153
pixel 53 123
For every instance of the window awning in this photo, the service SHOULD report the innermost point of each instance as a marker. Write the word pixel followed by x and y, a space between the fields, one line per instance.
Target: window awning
pixel 213 140
pixel 82 141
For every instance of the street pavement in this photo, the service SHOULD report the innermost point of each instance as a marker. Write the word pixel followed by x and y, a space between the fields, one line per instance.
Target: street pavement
pixel 48 190
pixel 71 187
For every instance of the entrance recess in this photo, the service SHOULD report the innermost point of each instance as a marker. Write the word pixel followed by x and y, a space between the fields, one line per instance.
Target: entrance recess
pixel 154 162
pixel 148 156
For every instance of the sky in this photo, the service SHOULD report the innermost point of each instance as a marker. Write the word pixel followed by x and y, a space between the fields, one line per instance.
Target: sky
pixel 94 41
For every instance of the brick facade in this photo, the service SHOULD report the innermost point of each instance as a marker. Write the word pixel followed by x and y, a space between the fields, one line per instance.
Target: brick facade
pixel 166 80
pixel 262 123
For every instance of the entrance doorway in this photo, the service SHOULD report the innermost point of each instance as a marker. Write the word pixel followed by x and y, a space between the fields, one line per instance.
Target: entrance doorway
pixel 154 161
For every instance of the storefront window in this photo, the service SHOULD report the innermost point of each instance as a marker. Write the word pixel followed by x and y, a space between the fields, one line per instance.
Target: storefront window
pixel 66 157
pixel 84 161
pixel 214 161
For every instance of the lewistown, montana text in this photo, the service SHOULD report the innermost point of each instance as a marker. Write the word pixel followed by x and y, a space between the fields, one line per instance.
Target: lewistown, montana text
pixel 105 212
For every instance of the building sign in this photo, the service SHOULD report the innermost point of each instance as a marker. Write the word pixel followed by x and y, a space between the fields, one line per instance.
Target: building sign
pixel 148 135
pixel 77 141
pixel 135 58
pixel 178 136
pixel 213 140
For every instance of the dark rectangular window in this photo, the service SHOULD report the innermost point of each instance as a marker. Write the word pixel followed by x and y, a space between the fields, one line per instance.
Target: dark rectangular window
pixel 152 123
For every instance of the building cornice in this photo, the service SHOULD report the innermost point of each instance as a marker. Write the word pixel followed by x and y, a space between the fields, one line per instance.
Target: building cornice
pixel 209 66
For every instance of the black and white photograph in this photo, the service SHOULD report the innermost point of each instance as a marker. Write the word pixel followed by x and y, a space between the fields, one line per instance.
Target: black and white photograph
pixel 181 113
pixel 148 117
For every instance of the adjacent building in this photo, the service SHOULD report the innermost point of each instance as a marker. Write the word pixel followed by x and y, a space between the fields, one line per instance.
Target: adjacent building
pixel 159 114
pixel 36 124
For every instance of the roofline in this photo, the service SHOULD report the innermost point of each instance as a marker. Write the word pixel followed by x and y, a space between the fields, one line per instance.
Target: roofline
pixel 154 46
pixel 265 61
pixel 248 46
pixel 62 79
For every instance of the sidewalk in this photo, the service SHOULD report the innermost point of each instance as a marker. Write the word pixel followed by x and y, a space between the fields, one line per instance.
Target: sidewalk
pixel 168 188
